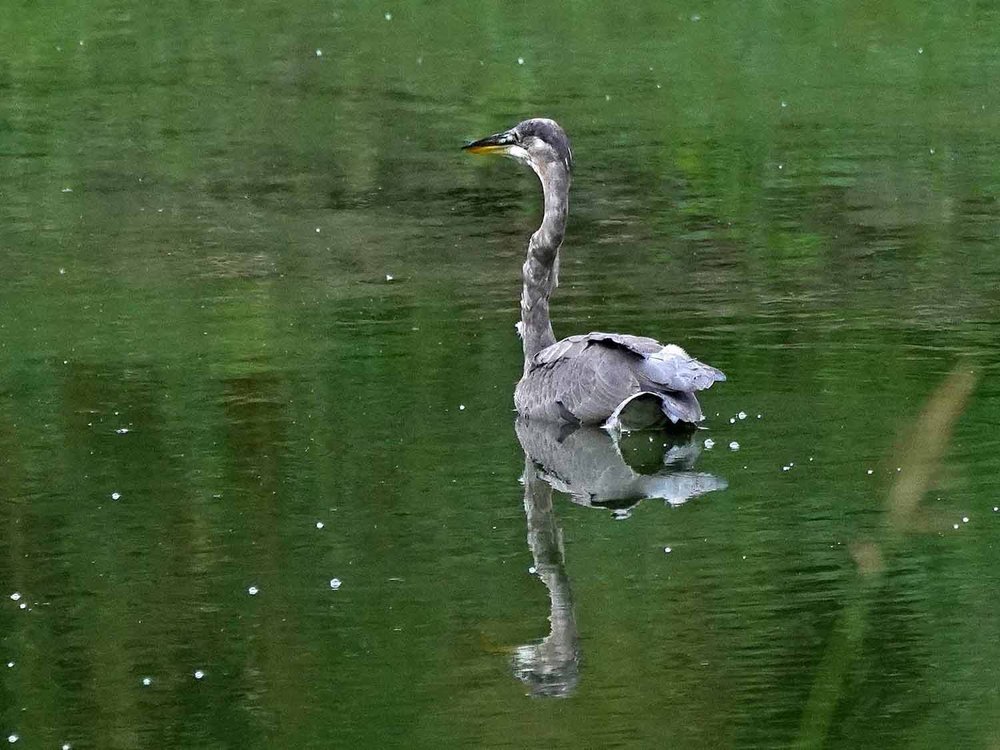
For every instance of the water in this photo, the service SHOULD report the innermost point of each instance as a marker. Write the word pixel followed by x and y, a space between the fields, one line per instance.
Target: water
pixel 200 217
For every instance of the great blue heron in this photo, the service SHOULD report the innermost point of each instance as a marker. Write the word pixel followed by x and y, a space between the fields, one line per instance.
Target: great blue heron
pixel 587 379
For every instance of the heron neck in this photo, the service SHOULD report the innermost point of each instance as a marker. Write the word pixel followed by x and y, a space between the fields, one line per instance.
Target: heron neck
pixel 540 273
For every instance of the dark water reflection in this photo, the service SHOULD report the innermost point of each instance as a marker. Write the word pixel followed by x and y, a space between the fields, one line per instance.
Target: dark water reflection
pixel 199 217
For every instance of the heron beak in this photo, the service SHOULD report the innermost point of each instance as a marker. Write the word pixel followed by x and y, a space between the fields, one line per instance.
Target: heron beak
pixel 498 143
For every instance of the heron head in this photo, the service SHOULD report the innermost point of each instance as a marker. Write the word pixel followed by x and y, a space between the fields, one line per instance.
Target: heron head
pixel 540 143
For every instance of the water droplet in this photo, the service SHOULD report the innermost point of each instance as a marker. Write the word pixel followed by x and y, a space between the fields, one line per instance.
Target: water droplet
pixel 734 446
pixel 147 681
pixel 667 550
pixel 520 61
pixel 955 526
pixel 15 596
pixel 253 591
pixel 461 407
pixel 389 277
pixel 870 471
pixel 709 444
pixel 10 665
pixel 116 495
pixel 319 524
pixel 122 430
pixel 388 16
pixel 920 50
pixel 13 737
pixel 759 416
pixel 319 53
pixel 742 415
pixel 965 519
pixel 732 420
pixel 198 674
pixel 532 570
pixel 784 105
pixel 335 583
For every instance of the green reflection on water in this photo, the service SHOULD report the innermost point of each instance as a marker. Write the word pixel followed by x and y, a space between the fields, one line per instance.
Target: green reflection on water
pixel 806 197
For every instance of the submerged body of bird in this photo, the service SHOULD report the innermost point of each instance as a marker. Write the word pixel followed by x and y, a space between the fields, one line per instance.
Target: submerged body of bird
pixel 597 377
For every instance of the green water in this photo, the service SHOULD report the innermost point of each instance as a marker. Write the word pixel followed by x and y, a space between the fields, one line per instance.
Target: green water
pixel 200 209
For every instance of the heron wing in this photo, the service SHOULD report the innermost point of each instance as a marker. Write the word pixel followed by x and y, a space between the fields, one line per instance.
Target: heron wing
pixel 589 378
pixel 573 346
pixel 673 368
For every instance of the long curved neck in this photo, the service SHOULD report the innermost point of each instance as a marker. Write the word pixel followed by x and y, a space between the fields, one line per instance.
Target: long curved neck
pixel 540 273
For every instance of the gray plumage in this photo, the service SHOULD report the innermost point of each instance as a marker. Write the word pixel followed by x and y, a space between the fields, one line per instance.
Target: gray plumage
pixel 594 378
pixel 587 464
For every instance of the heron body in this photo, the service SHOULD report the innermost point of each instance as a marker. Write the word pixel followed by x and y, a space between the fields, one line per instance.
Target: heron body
pixel 596 378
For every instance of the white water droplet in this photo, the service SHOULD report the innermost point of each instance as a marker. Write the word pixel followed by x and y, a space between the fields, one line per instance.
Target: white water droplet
pixel 732 420
pixel 389 277
pixel 116 495
pixel 709 444
pixel 253 591
pixel 520 61
pixel 388 16
pixel 667 550
pixel 955 526
pixel 319 53
pixel 147 681
pixel 742 415
pixel 335 583
pixel 734 446
pixel 12 738
pixel 965 519
pixel 870 471
pixel 461 407
pixel 319 524
pixel 198 674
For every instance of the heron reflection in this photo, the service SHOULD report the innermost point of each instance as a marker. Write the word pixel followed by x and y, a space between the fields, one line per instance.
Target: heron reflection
pixel 586 464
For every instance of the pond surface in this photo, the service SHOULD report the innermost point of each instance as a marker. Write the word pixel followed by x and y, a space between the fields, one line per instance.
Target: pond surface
pixel 257 334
